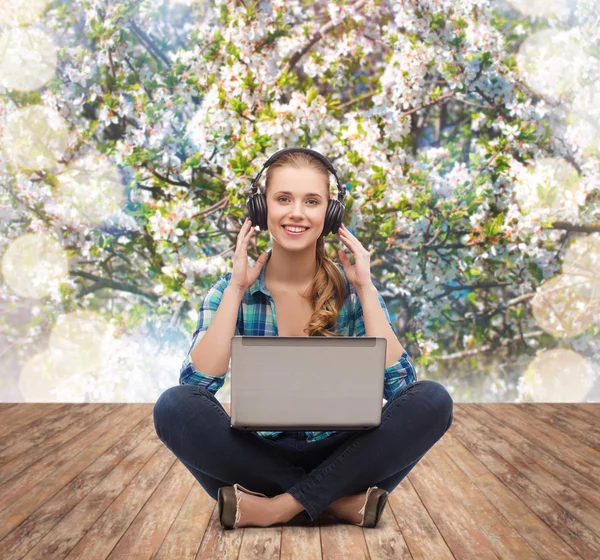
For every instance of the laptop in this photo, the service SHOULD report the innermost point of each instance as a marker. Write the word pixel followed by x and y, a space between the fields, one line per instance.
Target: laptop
pixel 311 383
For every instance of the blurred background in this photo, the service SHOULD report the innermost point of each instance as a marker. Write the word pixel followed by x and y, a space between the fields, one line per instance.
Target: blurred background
pixel 467 134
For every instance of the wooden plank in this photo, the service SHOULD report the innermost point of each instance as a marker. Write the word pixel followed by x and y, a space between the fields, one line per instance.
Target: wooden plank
pixel 34 434
pixel 418 535
pixel 503 537
pixel 573 452
pixel 26 474
pixel 7 412
pixel 145 535
pixel 571 409
pixel 570 531
pixel 33 515
pixel 100 487
pixel 575 428
pixel 576 510
pixel 301 537
pixel 218 542
pixel 460 530
pixel 6 406
pixel 260 543
pixel 189 526
pixel 586 489
pixel 111 488
pixel 587 408
pixel 109 528
pixel 11 469
pixel 465 454
pixel 343 540
pixel 27 414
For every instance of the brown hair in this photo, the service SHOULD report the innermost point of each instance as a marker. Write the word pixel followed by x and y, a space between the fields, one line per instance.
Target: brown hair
pixel 327 291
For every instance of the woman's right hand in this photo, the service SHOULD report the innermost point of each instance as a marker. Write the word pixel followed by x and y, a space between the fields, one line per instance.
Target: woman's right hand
pixel 244 275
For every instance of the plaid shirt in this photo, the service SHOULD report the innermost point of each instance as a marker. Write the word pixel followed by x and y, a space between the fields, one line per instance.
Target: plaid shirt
pixel 256 317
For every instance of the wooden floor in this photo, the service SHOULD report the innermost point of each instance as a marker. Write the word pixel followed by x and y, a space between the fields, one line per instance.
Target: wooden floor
pixel 94 481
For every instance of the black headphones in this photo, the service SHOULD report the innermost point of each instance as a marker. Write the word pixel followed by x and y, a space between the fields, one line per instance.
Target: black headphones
pixel 257 203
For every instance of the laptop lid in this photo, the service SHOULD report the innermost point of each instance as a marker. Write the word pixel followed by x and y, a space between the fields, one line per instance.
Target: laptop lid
pixel 311 383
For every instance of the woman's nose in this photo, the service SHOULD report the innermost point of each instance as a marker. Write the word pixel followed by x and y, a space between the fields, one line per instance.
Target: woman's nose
pixel 297 211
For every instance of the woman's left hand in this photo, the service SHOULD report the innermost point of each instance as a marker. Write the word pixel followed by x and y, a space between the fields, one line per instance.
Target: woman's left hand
pixel 358 274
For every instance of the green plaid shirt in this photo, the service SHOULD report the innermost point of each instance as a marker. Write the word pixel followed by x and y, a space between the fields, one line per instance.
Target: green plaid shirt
pixel 256 317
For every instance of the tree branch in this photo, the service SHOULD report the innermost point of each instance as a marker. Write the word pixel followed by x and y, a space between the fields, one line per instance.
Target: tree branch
pixel 440 98
pixel 319 35
pixel 486 347
pixel 358 99
pixel 100 283
pixel 147 42
pixel 166 179
pixel 591 228
pixel 216 206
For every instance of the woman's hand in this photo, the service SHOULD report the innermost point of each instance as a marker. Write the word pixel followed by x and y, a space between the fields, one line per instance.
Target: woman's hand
pixel 358 274
pixel 243 275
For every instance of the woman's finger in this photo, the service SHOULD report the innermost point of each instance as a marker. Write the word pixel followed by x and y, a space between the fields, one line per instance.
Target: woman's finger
pixel 350 243
pixel 242 239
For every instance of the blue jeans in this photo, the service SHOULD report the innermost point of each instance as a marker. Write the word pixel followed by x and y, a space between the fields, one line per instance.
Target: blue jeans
pixel 193 424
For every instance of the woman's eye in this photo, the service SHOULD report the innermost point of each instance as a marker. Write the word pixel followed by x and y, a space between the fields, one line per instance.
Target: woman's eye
pixel 285 197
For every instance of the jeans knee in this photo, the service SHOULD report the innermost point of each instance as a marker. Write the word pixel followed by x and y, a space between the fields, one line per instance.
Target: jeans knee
pixel 439 395
pixel 164 408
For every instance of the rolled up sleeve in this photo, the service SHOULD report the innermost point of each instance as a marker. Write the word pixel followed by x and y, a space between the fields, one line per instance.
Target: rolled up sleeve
pixel 188 374
pixel 398 375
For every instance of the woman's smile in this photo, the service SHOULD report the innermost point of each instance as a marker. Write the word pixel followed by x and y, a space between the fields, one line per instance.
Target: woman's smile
pixel 295 233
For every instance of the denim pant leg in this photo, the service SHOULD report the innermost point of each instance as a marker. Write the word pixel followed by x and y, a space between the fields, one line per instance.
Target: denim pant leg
pixel 412 421
pixel 193 424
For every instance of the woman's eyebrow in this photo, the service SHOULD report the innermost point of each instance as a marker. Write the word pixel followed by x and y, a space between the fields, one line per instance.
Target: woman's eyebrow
pixel 307 194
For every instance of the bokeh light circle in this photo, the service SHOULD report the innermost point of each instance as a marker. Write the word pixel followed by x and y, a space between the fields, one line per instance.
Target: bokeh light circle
pixel 78 339
pixel 92 188
pixel 557 375
pixel 28 58
pixel 546 186
pixel 38 377
pixel 562 306
pixel 21 12
pixel 33 264
pixel 35 137
pixel 540 8
pixel 551 62
pixel 585 119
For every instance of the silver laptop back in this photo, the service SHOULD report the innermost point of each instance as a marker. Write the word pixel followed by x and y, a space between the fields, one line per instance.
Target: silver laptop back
pixel 309 383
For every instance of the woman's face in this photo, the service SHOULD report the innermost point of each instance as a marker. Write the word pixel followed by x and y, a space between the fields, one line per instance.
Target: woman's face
pixel 296 197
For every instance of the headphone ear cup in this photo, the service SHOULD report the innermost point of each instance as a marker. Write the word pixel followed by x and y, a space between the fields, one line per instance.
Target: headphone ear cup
pixel 251 209
pixel 333 216
pixel 254 210
pixel 338 217
pixel 261 211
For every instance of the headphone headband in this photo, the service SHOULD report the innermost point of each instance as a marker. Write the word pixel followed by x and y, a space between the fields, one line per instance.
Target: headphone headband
pixel 341 189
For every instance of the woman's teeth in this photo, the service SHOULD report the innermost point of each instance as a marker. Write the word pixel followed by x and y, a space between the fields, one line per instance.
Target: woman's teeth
pixel 295 231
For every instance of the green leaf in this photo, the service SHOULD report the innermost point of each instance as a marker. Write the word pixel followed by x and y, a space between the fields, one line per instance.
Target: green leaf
pixel 438 20
pixel 436 93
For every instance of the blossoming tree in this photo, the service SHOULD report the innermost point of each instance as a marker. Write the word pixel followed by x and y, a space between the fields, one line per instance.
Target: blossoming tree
pixel 472 181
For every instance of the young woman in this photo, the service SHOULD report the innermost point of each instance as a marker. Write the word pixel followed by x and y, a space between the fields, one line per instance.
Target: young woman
pixel 295 289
